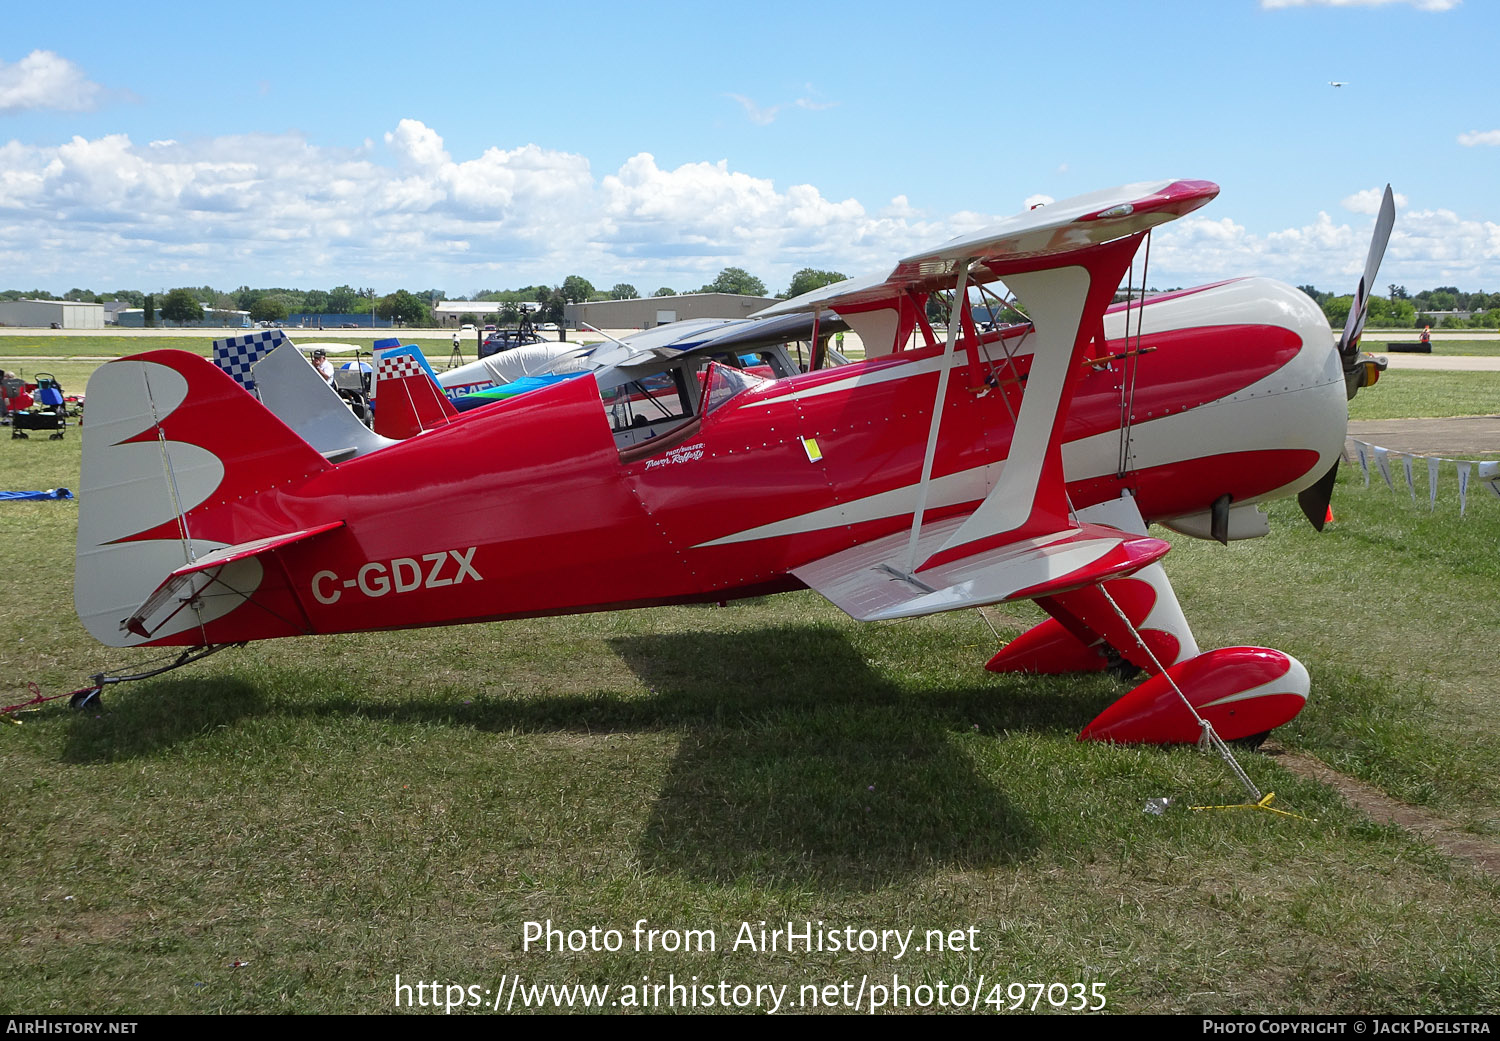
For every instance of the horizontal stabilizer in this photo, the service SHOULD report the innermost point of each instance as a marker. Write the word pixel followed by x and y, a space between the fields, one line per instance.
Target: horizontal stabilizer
pixel 868 584
pixel 184 584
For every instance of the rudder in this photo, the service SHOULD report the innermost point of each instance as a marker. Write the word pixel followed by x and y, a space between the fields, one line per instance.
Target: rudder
pixel 170 447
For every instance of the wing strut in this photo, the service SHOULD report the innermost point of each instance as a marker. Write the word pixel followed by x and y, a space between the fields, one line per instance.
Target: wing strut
pixel 955 318
pixel 1132 362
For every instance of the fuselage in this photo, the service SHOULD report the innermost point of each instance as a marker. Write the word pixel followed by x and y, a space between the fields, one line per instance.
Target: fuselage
pixel 529 507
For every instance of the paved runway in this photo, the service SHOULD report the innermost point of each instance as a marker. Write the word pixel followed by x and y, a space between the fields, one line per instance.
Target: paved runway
pixel 1447 437
pixel 1463 436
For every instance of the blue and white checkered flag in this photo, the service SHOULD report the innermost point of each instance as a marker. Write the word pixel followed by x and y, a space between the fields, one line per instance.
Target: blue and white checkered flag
pixel 236 354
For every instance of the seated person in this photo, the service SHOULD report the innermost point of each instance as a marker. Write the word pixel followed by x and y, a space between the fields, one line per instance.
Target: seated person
pixel 323 365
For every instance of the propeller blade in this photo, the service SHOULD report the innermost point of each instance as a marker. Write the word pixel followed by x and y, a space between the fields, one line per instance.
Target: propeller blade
pixel 1360 307
pixel 1314 499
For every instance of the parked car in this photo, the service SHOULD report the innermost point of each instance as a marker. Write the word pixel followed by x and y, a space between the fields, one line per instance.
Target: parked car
pixel 467 328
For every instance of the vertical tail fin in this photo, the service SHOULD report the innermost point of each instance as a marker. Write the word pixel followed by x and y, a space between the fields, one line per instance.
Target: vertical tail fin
pixel 172 447
pixel 408 399
pixel 236 355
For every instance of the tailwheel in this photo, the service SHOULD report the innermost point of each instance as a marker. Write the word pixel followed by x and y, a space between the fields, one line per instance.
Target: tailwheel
pixel 86 699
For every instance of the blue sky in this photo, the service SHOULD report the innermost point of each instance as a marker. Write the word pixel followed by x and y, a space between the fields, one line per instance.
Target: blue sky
pixel 466 146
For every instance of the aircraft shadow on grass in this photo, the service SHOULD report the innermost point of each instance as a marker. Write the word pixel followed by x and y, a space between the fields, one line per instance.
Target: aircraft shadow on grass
pixel 159 715
pixel 799 761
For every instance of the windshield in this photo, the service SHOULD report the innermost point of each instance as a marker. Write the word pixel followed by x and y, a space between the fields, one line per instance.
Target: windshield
pixel 722 382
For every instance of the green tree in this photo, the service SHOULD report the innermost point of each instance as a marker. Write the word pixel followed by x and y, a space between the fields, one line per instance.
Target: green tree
pixel 576 289
pixel 738 281
pixel 808 279
pixel 341 300
pixel 665 291
pixel 148 308
pixel 1336 308
pixel 181 306
pixel 623 291
pixel 404 308
pixel 550 304
pixel 268 309
pixel 315 302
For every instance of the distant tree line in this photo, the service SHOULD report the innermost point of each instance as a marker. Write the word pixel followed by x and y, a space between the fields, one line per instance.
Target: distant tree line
pixel 1395 309
pixel 1398 309
pixel 407 307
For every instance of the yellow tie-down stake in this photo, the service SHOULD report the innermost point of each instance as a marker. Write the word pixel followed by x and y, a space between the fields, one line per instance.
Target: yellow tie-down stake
pixel 1264 804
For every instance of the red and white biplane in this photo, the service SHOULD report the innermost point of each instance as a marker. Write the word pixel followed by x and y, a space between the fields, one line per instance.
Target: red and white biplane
pixel 958 465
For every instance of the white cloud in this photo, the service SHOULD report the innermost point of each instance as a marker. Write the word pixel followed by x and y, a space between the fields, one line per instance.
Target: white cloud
pixel 1447 249
pixel 899 207
pixel 759 116
pixel 1479 137
pixel 813 100
pixel 1421 5
pixel 1427 247
pixel 766 115
pixel 279 210
pixel 109 213
pixel 417 145
pixel 44 80
pixel 1368 201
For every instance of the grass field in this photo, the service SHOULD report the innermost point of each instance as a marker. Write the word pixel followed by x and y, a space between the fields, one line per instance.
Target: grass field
pixel 331 812
pixel 1414 393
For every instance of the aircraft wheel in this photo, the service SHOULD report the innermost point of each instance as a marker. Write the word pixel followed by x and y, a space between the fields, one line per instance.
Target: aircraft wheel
pixel 86 699
pixel 1118 666
pixel 1251 741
